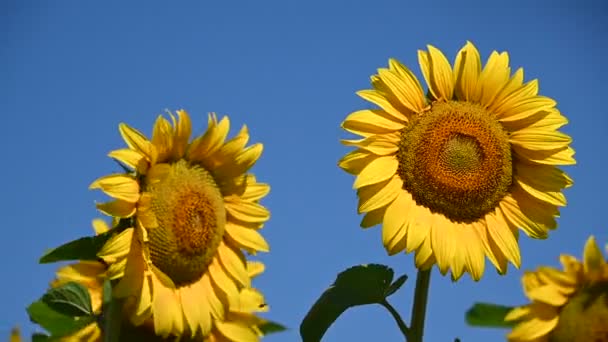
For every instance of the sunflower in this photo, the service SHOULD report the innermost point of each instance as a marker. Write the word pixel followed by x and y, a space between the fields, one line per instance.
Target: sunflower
pixel 569 305
pixel 91 275
pixel 454 174
pixel 192 209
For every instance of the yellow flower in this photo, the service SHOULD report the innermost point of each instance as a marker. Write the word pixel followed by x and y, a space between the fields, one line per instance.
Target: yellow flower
pixel 15 335
pixel 569 305
pixel 191 208
pixel 90 274
pixel 453 175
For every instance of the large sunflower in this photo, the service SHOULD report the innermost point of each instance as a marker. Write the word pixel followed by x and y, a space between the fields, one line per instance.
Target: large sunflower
pixel 192 208
pixel 453 174
pixel 569 305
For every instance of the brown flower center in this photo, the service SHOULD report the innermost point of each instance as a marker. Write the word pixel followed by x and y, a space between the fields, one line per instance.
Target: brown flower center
pixel 584 318
pixel 189 209
pixel 455 159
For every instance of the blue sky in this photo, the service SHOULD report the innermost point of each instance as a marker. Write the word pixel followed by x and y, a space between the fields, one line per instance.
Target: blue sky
pixel 73 70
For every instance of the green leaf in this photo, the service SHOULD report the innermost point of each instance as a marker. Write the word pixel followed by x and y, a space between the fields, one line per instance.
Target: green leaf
pixel 359 285
pixel 85 248
pixel 270 327
pixel 70 299
pixel 38 337
pixel 489 315
pixel 56 323
pixel 396 285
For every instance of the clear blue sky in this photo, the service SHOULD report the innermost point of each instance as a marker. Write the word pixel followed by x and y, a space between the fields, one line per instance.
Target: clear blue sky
pixel 70 71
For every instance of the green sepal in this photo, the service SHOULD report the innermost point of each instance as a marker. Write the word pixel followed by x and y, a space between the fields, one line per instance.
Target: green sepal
pixel 489 316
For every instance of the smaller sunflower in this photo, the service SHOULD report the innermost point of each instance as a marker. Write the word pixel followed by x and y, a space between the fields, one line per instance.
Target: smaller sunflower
pixel 569 305
pixel 191 209
pixel 90 274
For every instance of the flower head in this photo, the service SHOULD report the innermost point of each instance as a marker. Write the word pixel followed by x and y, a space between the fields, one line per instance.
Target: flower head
pixel 453 175
pixel 191 208
pixel 569 305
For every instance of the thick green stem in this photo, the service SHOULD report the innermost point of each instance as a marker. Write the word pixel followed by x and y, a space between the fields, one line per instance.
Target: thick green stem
pixel 423 281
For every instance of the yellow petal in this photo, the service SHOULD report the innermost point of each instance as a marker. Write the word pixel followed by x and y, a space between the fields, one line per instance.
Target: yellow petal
pixel 474 252
pixel 593 261
pixel 543 182
pixel 130 158
pixel 407 92
pixel 138 142
pixel 196 312
pixel 393 228
pixel 231 148
pixel 215 305
pixel 378 198
pixel 501 235
pixel 373 121
pixel 548 294
pixel 100 226
pixel 241 162
pixel 246 237
pixel 532 329
pixel 424 257
pixel 563 156
pixel 117 208
pixel 493 78
pixel 382 145
pixel 373 218
pixel 518 95
pixel 117 247
pixel 512 211
pixel 517 313
pixel 416 97
pixel 539 139
pixel 512 85
pixel 234 262
pixel 255 268
pixel 467 68
pixel 354 161
pixel 236 332
pixel 167 313
pixel 419 228
pixel 181 134
pixel 379 169
pixel 118 186
pixel 442 236
pixel 437 73
pixel 246 211
pixel 380 99
pixel 162 137
pixel 212 140
pixel 526 108
pixel 222 282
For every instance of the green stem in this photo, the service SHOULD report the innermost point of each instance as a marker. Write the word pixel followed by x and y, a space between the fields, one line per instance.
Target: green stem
pixel 402 326
pixel 421 293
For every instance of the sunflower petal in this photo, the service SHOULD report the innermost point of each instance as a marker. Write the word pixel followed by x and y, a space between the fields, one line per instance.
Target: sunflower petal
pixel 493 78
pixel 162 137
pixel 181 135
pixel 393 228
pixel 467 68
pixel 236 332
pixel 355 161
pixel 379 169
pixel 234 262
pixel 117 208
pixel 130 158
pixel 246 237
pixel 138 142
pixel 407 92
pixel 371 121
pixel 501 235
pixel 371 198
pixel 119 186
pixel 168 317
pixel 437 73
pixel 539 139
